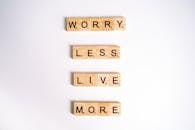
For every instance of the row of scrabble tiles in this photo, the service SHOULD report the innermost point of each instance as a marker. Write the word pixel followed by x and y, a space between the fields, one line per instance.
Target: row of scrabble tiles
pixel 90 79
pixel 95 52
pixel 96 79
pixel 96 108
pixel 95 23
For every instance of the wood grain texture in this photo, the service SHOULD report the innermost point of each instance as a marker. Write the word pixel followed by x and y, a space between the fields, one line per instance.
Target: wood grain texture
pixel 95 23
pixel 96 108
pixel 87 79
pixel 95 52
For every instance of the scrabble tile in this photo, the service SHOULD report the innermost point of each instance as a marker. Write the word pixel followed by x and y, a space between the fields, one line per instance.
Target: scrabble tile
pixel 95 23
pixel 96 108
pixel 95 52
pixel 111 79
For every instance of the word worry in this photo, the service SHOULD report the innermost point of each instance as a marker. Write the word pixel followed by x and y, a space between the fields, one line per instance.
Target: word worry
pixel 95 23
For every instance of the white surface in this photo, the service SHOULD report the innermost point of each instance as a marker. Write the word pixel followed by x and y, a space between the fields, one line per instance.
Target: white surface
pixel 156 65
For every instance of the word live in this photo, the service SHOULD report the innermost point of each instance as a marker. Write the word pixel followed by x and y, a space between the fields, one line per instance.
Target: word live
pixel 95 52
pixel 96 79
pixel 84 108
pixel 95 23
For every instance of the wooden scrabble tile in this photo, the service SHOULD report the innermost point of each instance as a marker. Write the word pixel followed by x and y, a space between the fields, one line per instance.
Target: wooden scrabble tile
pixel 96 108
pixel 96 79
pixel 95 52
pixel 95 23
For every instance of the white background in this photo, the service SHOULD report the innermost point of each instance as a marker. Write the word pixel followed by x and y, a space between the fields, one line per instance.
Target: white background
pixel 156 65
